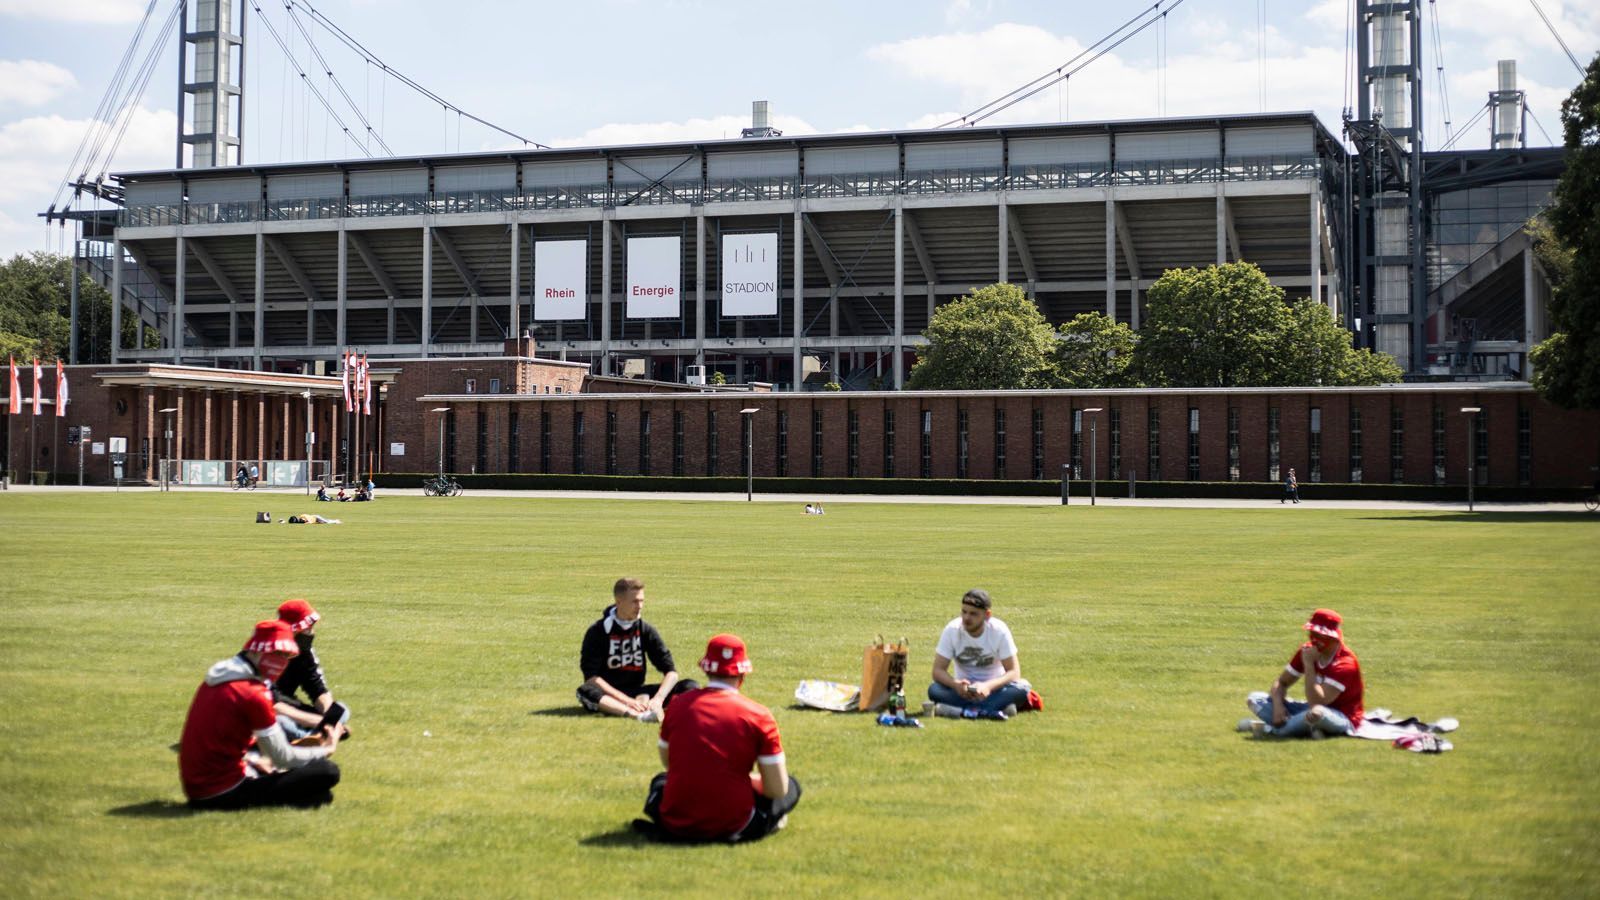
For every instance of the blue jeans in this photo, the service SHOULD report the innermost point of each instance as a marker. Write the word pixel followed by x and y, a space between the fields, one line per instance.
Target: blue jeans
pixel 1333 721
pixel 292 729
pixel 998 699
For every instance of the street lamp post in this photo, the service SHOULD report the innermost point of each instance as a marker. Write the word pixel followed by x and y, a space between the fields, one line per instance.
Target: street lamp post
pixel 310 437
pixel 1472 450
pixel 749 451
pixel 441 410
pixel 166 465
pixel 1094 457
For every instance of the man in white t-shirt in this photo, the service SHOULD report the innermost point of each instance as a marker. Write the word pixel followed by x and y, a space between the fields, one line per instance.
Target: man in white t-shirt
pixel 987 682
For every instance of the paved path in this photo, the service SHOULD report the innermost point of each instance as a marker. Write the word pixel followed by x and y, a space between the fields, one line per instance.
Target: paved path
pixel 841 499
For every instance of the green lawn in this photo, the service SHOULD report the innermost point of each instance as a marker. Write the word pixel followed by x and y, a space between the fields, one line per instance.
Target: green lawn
pixel 451 627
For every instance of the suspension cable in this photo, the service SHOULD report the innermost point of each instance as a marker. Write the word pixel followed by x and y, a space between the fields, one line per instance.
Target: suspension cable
pixel 373 135
pixel 1536 122
pixel 1438 58
pixel 1465 128
pixel 305 80
pixel 1557 35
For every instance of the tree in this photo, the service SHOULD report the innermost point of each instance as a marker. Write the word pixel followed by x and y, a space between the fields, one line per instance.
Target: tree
pixel 1566 368
pixel 1095 351
pixel 994 338
pixel 36 309
pixel 1228 326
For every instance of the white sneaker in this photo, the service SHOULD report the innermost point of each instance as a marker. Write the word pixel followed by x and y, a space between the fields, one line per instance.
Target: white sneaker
pixel 946 711
pixel 1254 727
pixel 1010 710
pixel 648 717
pixel 1318 734
pixel 783 822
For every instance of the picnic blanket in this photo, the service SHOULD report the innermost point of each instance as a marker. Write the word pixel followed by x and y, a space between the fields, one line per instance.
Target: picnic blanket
pixel 829 695
pixel 1409 733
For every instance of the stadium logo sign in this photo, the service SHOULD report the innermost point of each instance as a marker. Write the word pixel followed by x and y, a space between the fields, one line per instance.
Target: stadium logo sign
pixel 750 274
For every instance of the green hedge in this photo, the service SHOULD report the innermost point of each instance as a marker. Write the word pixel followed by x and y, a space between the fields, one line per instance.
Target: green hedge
pixel 952 487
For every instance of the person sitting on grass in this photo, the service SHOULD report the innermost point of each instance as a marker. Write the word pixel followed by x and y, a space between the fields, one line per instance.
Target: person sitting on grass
pixel 1333 688
pixel 711 741
pixel 322 493
pixel 304 672
pixel 233 707
pixel 613 657
pixel 988 681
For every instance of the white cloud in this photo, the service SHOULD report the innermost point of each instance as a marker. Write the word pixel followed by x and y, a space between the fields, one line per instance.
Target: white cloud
pixel 29 82
pixel 83 12
pixel 1511 32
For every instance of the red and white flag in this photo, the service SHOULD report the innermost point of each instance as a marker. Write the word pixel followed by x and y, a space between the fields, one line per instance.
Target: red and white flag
pixel 366 386
pixel 61 389
pixel 38 379
pixel 344 378
pixel 14 401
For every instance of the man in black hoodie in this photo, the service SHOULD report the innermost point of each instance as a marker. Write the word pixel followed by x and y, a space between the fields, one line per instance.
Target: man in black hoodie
pixel 615 649
pixel 304 673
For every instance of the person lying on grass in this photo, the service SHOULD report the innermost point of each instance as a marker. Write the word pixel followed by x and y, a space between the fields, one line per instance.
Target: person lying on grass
pixel 613 658
pixel 1333 688
pixel 233 708
pixel 711 740
pixel 988 681
pixel 304 672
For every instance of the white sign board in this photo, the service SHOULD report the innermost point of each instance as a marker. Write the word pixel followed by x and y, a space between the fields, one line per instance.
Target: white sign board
pixel 98 448
pixel 396 449
pixel 750 274
pixel 655 277
pixel 119 445
pixel 560 280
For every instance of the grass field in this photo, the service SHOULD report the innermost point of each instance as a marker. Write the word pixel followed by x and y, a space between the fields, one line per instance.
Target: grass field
pixel 451 627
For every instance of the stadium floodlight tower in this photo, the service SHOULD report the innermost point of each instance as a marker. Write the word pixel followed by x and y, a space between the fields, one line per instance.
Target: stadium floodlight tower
pixel 211 82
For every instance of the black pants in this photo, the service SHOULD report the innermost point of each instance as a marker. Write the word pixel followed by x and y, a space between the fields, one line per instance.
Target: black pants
pixel 589 695
pixel 310 785
pixel 768 811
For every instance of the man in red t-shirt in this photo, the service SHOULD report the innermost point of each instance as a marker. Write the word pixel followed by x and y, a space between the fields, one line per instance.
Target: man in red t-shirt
pixel 1333 690
pixel 710 741
pixel 233 708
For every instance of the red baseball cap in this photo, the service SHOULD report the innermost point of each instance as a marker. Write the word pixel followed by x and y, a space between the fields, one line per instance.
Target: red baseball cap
pixel 272 636
pixel 725 655
pixel 299 614
pixel 1326 623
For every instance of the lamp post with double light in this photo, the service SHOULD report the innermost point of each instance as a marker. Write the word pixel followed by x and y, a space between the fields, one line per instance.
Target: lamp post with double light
pixel 166 464
pixel 1094 457
pixel 1472 450
pixel 749 419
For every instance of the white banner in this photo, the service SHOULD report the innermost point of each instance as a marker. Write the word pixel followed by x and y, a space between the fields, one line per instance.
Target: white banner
pixel 560 280
pixel 655 279
pixel 750 274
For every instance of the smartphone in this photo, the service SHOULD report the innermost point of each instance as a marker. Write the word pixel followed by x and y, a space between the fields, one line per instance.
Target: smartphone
pixel 336 715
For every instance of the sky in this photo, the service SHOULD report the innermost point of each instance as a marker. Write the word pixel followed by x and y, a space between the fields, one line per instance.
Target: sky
pixel 630 71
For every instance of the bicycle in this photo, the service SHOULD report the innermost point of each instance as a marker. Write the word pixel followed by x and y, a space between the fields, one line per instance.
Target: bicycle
pixel 441 486
pixel 244 484
pixel 1591 502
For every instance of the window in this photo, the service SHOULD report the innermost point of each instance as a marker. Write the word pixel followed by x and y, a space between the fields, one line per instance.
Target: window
pixel 888 443
pixel 961 443
pixel 1438 444
pixel 472 386
pixel 927 443
pixel 544 441
pixel 1314 447
pixel 1153 445
pixel 782 443
pixel 1000 443
pixel 483 441
pixel 450 442
pixel 1355 445
pixel 1116 443
pixel 644 442
pixel 1038 444
pixel 853 451
pixel 1480 443
pixel 677 442
pixel 1194 444
pixel 1524 447
pixel 514 445
pixel 711 442
pixel 816 443
pixel 1075 450
pixel 1233 444
pixel 1397 445
pixel 494 385
pixel 1274 462
pixel 577 443
pixel 611 442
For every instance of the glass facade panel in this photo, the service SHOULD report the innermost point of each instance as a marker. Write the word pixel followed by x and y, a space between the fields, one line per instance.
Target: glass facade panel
pixel 1000 443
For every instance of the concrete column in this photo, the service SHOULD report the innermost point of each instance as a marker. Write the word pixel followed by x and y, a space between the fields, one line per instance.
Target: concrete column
pixel 257 338
pixel 206 442
pixel 1005 242
pixel 1222 226
pixel 700 288
pixel 899 294
pixel 151 433
pixel 342 316
pixel 287 448
pixel 605 296
pixel 335 414
pixel 116 300
pixel 516 282
pixel 1316 243
pixel 72 315
pixel 427 288
pixel 233 433
pixel 799 298
pixel 261 430
pixel 180 425
pixel 1111 256
pixel 175 326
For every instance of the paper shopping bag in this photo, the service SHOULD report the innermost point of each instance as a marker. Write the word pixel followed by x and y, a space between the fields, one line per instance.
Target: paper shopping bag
pixel 883 669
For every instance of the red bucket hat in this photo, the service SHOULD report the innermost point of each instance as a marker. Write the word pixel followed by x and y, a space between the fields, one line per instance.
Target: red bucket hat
pixel 1326 623
pixel 725 655
pixel 299 614
pixel 272 636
